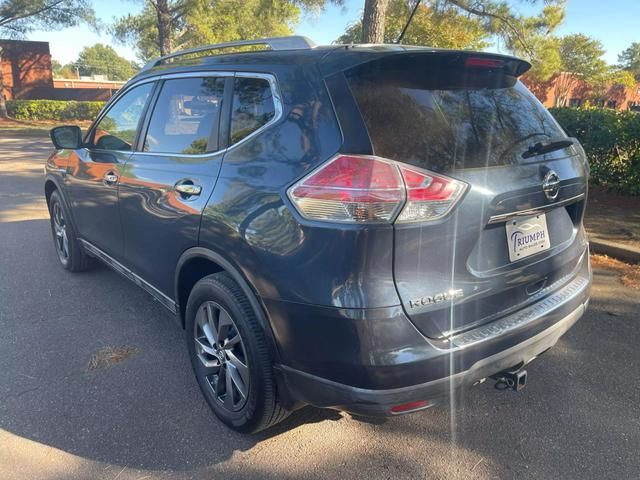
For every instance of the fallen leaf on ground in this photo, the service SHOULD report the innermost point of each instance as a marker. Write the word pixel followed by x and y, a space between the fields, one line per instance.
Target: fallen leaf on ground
pixel 629 274
pixel 110 355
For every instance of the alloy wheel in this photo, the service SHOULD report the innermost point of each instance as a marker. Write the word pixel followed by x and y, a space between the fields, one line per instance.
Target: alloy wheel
pixel 60 232
pixel 222 354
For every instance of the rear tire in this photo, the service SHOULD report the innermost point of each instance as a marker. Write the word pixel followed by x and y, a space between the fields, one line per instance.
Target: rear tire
pixel 229 353
pixel 69 251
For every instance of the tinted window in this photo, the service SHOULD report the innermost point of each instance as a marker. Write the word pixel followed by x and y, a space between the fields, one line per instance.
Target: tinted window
pixel 117 129
pixel 252 106
pixel 186 116
pixel 443 126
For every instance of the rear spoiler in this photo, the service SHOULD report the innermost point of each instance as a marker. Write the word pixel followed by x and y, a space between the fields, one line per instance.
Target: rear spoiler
pixel 348 57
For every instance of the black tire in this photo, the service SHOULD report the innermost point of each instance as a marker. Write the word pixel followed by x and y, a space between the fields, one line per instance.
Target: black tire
pixel 67 247
pixel 259 408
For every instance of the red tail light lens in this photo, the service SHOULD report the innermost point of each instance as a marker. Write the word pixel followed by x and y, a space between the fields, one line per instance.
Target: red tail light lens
pixel 368 189
pixel 429 196
pixel 351 189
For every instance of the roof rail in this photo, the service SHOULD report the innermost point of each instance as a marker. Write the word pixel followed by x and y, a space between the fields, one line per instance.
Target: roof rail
pixel 274 43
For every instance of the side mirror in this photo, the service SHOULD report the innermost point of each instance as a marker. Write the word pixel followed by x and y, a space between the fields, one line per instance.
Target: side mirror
pixel 67 137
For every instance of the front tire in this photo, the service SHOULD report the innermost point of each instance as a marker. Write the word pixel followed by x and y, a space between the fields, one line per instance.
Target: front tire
pixel 67 247
pixel 230 357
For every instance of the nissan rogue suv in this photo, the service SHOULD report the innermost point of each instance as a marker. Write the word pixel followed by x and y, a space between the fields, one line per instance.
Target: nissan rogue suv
pixel 365 228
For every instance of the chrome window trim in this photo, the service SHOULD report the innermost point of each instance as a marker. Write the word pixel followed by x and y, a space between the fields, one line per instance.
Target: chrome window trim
pixel 503 217
pixel 275 94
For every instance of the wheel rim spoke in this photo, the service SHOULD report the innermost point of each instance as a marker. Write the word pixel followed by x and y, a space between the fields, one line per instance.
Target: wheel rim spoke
pixel 237 380
pixel 224 322
pixel 216 385
pixel 65 244
pixel 203 343
pixel 229 344
pixel 209 327
pixel 238 366
pixel 208 333
pixel 228 396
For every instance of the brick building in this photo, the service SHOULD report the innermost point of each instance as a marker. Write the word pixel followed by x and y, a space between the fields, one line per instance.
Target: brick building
pixel 565 89
pixel 26 69
pixel 27 74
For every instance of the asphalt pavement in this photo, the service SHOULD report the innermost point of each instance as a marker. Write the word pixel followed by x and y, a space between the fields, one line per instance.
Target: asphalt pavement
pixel 144 418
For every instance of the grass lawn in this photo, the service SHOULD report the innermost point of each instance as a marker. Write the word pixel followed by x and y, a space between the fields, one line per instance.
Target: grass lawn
pixel 33 128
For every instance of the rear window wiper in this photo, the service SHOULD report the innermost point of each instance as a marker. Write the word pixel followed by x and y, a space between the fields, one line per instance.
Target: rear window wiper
pixel 542 148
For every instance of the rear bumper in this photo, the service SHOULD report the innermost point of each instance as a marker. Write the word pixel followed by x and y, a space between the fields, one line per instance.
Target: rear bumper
pixel 384 362
pixel 326 393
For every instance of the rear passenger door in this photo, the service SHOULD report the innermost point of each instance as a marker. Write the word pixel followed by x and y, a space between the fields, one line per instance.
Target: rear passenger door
pixel 166 182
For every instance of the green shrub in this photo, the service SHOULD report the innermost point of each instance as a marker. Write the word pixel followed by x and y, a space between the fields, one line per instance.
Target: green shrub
pixel 58 110
pixel 611 140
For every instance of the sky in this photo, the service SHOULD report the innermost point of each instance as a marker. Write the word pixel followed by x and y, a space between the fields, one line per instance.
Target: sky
pixel 614 23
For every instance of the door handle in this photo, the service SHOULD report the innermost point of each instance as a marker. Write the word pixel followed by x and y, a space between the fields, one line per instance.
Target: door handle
pixel 188 188
pixel 110 178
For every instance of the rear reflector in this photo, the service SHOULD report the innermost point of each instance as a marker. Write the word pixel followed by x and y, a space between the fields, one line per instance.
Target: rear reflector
pixel 409 407
pixel 368 189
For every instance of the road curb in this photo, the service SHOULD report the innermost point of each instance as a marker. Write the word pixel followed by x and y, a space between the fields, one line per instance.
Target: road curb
pixel 626 253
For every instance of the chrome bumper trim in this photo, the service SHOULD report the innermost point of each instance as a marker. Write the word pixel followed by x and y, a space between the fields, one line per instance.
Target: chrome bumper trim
pixel 518 319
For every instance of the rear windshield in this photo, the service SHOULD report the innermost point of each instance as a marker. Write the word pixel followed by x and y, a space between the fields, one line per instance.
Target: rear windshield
pixel 447 120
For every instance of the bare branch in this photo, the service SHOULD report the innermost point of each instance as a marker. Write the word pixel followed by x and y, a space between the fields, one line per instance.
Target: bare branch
pixel 22 16
pixel 481 11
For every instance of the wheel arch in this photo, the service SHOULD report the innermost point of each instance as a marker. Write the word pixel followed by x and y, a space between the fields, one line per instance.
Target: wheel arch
pixel 54 184
pixel 189 271
pixel 50 186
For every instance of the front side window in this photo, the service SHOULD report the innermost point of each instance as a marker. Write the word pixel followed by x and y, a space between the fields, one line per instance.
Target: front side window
pixel 185 118
pixel 117 129
pixel 252 106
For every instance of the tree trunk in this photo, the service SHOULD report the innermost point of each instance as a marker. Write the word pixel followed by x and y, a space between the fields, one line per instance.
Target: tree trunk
pixel 164 26
pixel 3 104
pixel 373 21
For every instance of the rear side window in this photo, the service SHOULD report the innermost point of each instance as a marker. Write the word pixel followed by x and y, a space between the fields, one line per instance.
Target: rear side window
pixel 444 121
pixel 186 116
pixel 252 107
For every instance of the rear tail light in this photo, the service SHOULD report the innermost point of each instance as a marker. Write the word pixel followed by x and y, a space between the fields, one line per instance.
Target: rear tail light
pixel 368 189
pixel 429 196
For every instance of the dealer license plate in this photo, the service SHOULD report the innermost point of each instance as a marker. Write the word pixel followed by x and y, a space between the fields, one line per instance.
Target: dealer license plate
pixel 527 236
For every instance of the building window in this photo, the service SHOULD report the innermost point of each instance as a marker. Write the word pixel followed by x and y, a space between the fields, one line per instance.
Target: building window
pixel 611 104
pixel 575 102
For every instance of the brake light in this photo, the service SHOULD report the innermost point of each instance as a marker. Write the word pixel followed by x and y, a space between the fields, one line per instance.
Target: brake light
pixel 482 62
pixel 369 189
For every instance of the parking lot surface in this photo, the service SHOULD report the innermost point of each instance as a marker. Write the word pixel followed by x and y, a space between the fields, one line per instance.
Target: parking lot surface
pixel 62 416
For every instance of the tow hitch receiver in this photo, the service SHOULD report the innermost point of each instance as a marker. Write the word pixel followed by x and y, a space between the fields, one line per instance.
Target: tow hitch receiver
pixel 511 380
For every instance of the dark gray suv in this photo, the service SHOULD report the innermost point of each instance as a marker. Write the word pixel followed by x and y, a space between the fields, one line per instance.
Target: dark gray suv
pixel 365 228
